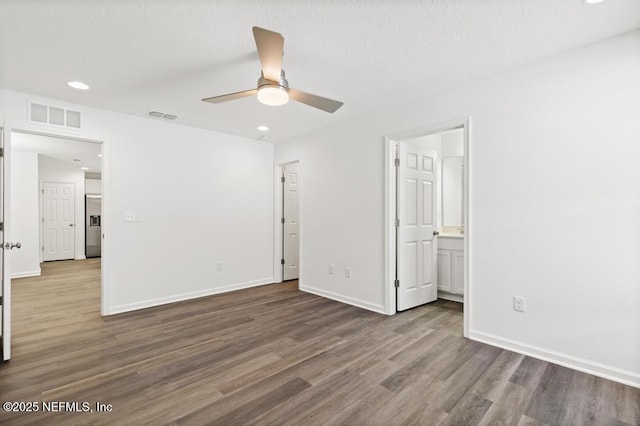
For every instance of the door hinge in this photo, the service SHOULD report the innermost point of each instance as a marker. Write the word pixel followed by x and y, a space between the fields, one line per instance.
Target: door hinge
pixel 396 223
pixel 396 283
pixel 282 179
pixel 1 226
pixel 282 220
pixel 282 261
pixel 396 162
pixel 1 152
pixel 0 300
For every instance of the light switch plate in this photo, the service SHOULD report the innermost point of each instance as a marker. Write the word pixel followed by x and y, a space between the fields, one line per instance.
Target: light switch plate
pixel 131 217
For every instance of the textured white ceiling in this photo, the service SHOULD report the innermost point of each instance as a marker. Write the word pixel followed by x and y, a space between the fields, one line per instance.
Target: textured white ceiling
pixel 166 55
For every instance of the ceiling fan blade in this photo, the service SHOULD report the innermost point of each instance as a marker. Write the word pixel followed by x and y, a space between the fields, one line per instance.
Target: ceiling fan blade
pixel 270 48
pixel 230 96
pixel 325 104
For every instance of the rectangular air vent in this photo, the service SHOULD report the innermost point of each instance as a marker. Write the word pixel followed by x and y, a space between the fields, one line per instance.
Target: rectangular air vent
pixel 39 113
pixel 56 116
pixel 158 114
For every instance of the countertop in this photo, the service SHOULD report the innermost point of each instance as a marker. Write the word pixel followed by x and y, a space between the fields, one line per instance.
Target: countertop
pixel 451 232
pixel 450 235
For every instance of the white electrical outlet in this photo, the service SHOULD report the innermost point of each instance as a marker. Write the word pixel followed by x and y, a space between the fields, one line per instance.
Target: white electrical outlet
pixel 519 304
pixel 332 268
pixel 219 266
pixel 347 272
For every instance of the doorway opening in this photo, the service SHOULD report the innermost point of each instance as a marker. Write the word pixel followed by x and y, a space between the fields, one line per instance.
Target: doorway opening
pixel 288 206
pixel 427 216
pixel 57 214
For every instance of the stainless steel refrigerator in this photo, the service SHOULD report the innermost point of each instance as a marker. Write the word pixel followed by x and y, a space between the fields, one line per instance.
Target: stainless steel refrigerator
pixel 93 233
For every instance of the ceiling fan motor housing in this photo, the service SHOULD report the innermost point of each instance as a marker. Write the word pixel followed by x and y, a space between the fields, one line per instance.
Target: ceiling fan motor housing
pixel 282 82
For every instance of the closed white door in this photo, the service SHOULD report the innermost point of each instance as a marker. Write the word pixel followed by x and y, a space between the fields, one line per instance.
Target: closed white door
pixel 59 221
pixel 416 243
pixel 291 224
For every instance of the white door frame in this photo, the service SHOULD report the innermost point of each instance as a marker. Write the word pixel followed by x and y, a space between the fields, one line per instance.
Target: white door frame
pixel 390 209
pixel 6 237
pixel 105 219
pixel 278 228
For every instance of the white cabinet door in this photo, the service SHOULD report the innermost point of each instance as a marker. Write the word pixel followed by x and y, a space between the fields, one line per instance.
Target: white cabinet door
pixel 444 270
pixel 457 269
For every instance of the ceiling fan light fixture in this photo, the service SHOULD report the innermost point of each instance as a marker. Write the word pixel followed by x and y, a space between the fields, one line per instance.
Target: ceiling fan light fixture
pixel 273 95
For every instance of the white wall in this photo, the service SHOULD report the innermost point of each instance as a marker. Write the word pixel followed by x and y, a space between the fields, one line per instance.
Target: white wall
pixel 453 143
pixel 93 186
pixel 202 197
pixel 56 171
pixel 555 207
pixel 25 262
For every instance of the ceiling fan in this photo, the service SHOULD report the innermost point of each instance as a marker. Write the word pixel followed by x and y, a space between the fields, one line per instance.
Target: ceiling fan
pixel 273 88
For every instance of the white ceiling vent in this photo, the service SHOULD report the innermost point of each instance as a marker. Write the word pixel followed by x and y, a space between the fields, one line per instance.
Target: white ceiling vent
pixel 56 116
pixel 157 114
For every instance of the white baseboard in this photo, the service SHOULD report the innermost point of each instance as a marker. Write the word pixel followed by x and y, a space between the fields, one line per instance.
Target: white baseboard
pixel 185 296
pixel 450 296
pixel 344 299
pixel 81 257
pixel 605 371
pixel 26 274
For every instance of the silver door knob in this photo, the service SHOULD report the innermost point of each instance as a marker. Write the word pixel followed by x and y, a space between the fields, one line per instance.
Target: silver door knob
pixel 436 233
pixel 71 224
pixel 10 246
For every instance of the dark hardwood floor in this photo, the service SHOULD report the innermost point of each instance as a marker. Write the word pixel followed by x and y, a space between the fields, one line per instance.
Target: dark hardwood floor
pixel 273 355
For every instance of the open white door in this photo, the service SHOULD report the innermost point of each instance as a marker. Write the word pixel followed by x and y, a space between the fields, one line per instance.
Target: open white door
pixel 5 273
pixel 416 224
pixel 59 221
pixel 290 227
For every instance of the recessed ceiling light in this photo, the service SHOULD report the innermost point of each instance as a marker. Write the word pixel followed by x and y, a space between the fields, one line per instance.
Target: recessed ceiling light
pixel 592 1
pixel 84 168
pixel 100 155
pixel 263 128
pixel 78 85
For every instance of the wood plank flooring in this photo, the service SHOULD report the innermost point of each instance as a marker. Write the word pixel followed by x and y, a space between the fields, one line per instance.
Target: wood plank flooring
pixel 273 355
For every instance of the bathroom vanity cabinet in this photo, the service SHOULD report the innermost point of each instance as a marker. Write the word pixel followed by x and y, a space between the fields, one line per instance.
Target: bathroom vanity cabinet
pixel 450 268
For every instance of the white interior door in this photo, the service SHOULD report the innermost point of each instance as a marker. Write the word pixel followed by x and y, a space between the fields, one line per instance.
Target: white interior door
pixel 59 221
pixel 291 236
pixel 416 213
pixel 5 273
